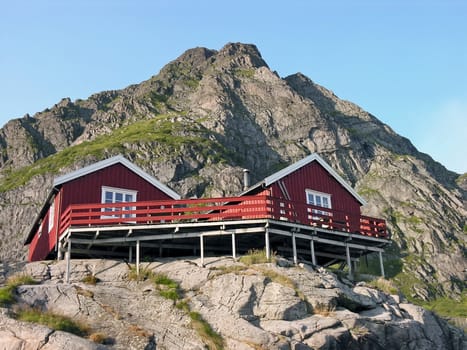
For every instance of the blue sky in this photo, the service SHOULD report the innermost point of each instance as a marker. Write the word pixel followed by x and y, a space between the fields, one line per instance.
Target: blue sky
pixel 403 61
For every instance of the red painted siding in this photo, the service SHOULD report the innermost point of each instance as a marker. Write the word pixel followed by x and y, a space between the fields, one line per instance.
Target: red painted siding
pixel 314 177
pixel 39 247
pixel 87 189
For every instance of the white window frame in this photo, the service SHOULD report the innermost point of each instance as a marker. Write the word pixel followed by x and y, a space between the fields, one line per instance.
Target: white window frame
pixel 323 197
pixel 124 192
pixel 51 215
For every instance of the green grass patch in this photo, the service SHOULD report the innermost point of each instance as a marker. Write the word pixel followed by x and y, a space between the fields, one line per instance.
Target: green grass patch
pixel 90 279
pixel 171 294
pixel 256 256
pixel 143 275
pixel 7 296
pixel 166 135
pixel 7 293
pixel 244 73
pixel 449 307
pixel 167 288
pixel 53 321
pixel 212 339
pixel 384 285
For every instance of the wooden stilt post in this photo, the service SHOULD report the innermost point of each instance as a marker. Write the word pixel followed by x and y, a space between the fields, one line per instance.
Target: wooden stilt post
pixel 59 251
pixel 294 249
pixel 234 251
pixel 138 247
pixel 313 256
pixel 130 254
pixel 381 264
pixel 68 258
pixel 349 262
pixel 266 244
pixel 201 248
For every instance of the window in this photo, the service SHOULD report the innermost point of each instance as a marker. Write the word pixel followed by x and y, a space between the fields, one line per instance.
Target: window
pixel 118 195
pixel 318 199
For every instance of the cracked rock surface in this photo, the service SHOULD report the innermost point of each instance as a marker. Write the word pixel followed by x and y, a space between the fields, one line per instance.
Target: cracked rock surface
pixel 262 306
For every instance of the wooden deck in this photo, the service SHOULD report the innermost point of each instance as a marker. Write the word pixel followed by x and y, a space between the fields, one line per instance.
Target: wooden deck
pixel 219 226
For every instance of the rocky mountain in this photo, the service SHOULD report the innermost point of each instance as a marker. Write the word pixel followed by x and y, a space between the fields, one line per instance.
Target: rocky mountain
pixel 224 305
pixel 209 114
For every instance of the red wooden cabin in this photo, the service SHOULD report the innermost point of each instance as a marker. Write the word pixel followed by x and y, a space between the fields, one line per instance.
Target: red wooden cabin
pixel 311 192
pixel 114 180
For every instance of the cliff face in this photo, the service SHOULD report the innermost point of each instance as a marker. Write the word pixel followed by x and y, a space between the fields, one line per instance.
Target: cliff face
pixel 245 307
pixel 209 114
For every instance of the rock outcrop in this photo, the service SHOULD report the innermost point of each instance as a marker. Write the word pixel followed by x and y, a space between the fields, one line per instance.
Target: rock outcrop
pixel 262 306
pixel 209 114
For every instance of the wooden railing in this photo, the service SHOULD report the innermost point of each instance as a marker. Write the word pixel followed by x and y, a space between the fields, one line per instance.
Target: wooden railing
pixel 219 209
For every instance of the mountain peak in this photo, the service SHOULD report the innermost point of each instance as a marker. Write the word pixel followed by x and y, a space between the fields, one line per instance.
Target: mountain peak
pixel 196 56
pixel 241 55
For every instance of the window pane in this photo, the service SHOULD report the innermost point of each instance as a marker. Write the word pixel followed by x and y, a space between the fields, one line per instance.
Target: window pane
pixel 128 198
pixel 325 202
pixel 318 200
pixel 311 199
pixel 118 197
pixel 108 197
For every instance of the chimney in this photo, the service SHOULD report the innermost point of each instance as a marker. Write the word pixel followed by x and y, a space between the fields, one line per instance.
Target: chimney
pixel 246 179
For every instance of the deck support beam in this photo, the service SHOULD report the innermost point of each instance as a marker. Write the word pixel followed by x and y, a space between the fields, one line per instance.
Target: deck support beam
pixel 68 258
pixel 266 244
pixel 234 251
pixel 294 249
pixel 313 255
pixel 59 251
pixel 349 262
pixel 381 264
pixel 138 247
pixel 201 248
